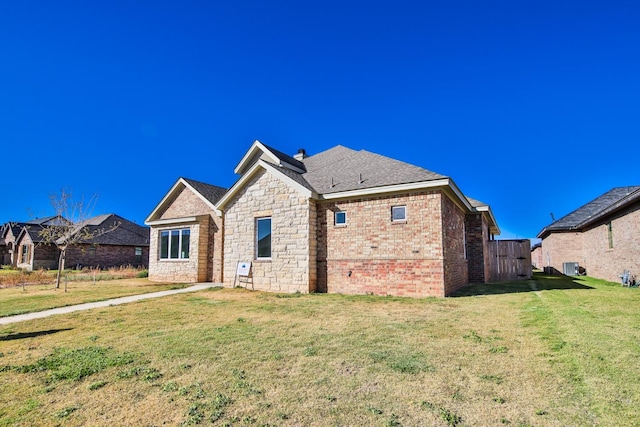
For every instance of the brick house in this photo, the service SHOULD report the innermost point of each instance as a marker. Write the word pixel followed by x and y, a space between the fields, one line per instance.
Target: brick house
pixel 12 253
pixel 341 221
pixel 602 236
pixel 537 260
pixel 125 244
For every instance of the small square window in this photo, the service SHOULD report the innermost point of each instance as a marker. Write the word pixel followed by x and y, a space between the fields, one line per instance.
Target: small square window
pixel 341 218
pixel 398 213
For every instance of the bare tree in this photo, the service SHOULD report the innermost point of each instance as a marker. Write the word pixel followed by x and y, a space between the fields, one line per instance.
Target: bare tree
pixel 71 226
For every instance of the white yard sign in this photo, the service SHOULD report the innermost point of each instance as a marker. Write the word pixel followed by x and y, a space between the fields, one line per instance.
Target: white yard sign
pixel 243 268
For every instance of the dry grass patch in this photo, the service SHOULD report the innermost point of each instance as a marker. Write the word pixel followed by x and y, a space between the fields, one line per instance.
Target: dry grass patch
pixel 18 300
pixel 235 357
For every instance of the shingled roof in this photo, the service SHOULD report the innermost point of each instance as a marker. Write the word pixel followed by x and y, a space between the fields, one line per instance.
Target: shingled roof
pixel 210 192
pixel 118 231
pixel 343 169
pixel 596 209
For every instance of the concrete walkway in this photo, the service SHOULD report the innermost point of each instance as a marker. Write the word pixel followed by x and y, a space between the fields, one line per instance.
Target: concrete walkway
pixel 106 303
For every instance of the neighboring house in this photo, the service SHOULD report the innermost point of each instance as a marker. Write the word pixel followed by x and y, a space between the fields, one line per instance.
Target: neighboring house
pixel 9 233
pixel 118 242
pixel 537 260
pixel 601 237
pixel 124 244
pixel 341 221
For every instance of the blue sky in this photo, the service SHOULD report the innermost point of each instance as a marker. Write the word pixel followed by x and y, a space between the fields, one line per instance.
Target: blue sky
pixel 530 106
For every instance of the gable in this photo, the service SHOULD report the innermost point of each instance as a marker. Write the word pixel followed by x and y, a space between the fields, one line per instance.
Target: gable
pixel 260 151
pixel 289 178
pixel 185 203
pixel 185 199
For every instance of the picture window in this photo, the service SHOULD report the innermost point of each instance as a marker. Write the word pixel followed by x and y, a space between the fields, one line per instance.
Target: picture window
pixel 174 244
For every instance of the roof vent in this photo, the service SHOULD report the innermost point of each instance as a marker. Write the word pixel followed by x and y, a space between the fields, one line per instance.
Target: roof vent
pixel 301 154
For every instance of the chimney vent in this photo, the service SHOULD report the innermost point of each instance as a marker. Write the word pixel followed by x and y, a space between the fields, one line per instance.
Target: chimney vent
pixel 301 154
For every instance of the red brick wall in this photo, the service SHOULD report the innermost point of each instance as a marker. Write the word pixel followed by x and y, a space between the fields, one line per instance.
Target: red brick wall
pixel 591 247
pixel 456 273
pixel 106 256
pixel 477 248
pixel 372 254
pixel 608 263
pixel 558 248
pixel 537 260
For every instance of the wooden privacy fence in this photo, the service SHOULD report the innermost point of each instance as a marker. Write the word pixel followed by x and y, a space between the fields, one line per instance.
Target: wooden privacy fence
pixel 509 260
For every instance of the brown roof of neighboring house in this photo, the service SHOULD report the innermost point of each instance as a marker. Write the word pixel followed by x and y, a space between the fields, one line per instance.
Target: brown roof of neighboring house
pixel 112 229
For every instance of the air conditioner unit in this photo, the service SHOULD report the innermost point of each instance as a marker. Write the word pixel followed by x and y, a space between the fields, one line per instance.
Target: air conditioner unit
pixel 570 268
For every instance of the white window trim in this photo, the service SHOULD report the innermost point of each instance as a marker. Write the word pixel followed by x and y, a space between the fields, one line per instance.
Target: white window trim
pixel 405 213
pixel 335 219
pixel 180 255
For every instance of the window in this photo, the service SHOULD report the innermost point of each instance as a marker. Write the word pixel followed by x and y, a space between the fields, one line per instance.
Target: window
pixel 340 218
pixel 398 213
pixel 174 244
pixel 92 251
pixel 263 238
pixel 610 235
pixel 25 254
pixel 138 251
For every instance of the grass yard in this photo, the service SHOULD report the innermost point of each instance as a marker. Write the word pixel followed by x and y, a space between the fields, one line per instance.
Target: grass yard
pixel 548 352
pixel 19 300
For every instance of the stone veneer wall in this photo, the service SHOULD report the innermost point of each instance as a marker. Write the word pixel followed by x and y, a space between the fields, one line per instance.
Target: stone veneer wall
pixel 371 254
pixel 292 264
pixel 456 273
pixel 205 252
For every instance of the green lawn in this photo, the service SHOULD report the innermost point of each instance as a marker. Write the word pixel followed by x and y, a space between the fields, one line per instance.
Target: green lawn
pixel 548 352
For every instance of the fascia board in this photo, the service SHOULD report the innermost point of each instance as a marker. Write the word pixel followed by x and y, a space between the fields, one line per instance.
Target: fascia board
pixel 164 200
pixel 399 188
pixel 257 146
pixel 261 164
pixel 631 198
pixel 292 167
pixel 171 221
pixel 489 213
pixel 461 197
